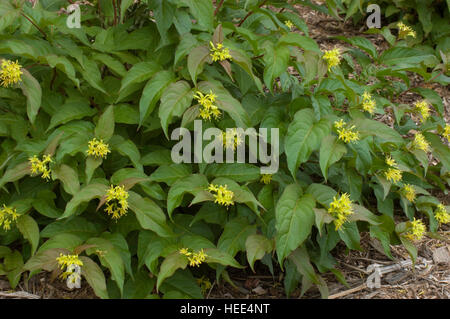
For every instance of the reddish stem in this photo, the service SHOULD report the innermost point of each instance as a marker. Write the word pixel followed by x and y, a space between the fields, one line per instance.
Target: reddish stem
pixel 218 7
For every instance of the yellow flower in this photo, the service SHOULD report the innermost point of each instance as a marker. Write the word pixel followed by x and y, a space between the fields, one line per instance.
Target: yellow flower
pixel 446 132
pixel 332 57
pixel 98 148
pixel 116 202
pixel 416 230
pixel 368 103
pixel 346 134
pixel 233 140
pixel 390 161
pixel 40 166
pixel 441 215
pixel 405 31
pixel 266 178
pixel 204 284
pixel 223 195
pixel 421 143
pixel 423 109
pixel 208 108
pixel 394 175
pixel 289 24
pixel 340 209
pixel 10 73
pixel 185 251
pixel 68 261
pixel 408 192
pixel 7 216
pixel 219 52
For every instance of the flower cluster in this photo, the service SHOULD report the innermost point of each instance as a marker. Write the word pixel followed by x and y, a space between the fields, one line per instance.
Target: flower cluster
pixel 10 73
pixel 266 178
pixel 289 24
pixel 40 166
pixel 333 58
pixel 340 209
pixel 98 149
pixel 116 201
pixel 219 52
pixel 223 195
pixel 204 284
pixel 195 258
pixel 392 174
pixel 346 134
pixel 368 103
pixel 7 216
pixel 416 230
pixel 441 215
pixel 446 132
pixel 420 143
pixel 232 139
pixel 208 108
pixel 73 269
pixel 405 31
pixel 408 192
pixel 422 108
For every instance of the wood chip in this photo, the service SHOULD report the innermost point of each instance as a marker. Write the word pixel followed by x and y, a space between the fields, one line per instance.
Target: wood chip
pixel 441 255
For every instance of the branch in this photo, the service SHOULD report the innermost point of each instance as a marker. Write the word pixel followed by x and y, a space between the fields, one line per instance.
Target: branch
pixel 218 7
pixel 34 23
pixel 250 13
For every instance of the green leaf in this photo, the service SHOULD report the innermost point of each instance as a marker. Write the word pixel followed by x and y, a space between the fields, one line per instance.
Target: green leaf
pixel 441 151
pixel 294 219
pixel 214 255
pixel 69 178
pixel 367 127
pixel 301 260
pixel 331 151
pixel 177 97
pixel 152 93
pixel 140 72
pixel 257 246
pixel 234 235
pixel 196 60
pixel 91 165
pixel 110 258
pixel 33 92
pixel 170 264
pixel 73 109
pixel 94 276
pixel 323 194
pixel 30 231
pixel 149 215
pixel 305 135
pixel 105 126
pixel 403 56
pixel 86 194
pixel 15 173
pixel 295 39
pixel 276 60
pixel 45 259
pixel 203 12
pixel 239 172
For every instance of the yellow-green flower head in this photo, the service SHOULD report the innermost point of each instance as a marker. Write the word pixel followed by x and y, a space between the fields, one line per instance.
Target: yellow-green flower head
pixel 390 161
pixel 446 132
pixel 116 201
pixel 266 178
pixel 346 133
pixel 404 31
pixel 67 261
pixel 204 284
pixel 219 52
pixel 442 215
pixel 416 230
pixel 368 103
pixel 289 24
pixel 233 140
pixel 208 109
pixel 340 209
pixel 408 192
pixel 98 149
pixel 10 73
pixel 40 166
pixel 393 174
pixel 7 216
pixel 223 196
pixel 422 108
pixel 333 57
pixel 195 258
pixel 421 143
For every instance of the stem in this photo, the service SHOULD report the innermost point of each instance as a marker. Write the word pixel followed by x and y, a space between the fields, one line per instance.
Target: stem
pixel 115 12
pixel 34 23
pixel 218 7
pixel 440 73
pixel 250 13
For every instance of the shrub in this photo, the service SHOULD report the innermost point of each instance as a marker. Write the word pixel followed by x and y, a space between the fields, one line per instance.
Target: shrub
pixel 89 187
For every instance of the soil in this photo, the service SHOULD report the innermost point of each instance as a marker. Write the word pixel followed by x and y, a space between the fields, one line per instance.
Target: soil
pixel 432 281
